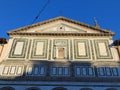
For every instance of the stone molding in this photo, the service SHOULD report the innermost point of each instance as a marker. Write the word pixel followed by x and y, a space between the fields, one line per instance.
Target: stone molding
pixel 62 34
pixel 61 19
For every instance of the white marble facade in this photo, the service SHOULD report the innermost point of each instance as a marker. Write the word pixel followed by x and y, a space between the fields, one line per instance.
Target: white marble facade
pixel 60 54
pixel 81 49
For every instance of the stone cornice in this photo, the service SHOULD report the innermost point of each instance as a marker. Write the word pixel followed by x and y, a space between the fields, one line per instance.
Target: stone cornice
pixel 50 62
pixel 63 34
pixel 62 19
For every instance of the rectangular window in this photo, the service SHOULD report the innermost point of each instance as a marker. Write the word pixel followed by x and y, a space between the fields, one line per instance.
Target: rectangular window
pixel 29 70
pixel 6 70
pixel 101 71
pixel 78 71
pixel 12 70
pixel 42 70
pixel 114 71
pixel 90 71
pixel 54 71
pixel 19 70
pixel 60 71
pixel 84 71
pixel 36 70
pixel 108 71
pixel 60 49
pixel 66 71
pixel 60 52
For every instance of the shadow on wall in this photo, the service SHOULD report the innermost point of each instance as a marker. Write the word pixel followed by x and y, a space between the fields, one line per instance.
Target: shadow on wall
pixel 38 71
pixel 51 71
pixel 7 88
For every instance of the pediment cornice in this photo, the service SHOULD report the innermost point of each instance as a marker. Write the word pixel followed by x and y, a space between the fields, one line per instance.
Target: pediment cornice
pixel 62 19
pixel 64 34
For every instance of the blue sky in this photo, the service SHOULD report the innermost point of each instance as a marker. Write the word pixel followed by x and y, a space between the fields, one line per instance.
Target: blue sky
pixel 19 13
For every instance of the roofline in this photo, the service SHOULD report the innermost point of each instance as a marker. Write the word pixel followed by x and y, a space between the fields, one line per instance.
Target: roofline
pixel 60 18
pixel 63 34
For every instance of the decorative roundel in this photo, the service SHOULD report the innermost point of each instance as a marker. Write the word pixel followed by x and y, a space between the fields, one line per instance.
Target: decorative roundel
pixel 61 28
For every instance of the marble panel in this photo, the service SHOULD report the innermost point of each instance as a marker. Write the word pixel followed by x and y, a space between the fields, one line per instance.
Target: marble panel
pixel 81 49
pixel 39 49
pixel 19 48
pixel 102 49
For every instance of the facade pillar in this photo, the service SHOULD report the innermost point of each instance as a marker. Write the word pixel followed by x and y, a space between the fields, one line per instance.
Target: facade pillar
pixel 3 43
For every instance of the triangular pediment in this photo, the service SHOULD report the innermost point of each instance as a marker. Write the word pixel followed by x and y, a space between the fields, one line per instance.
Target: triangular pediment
pixel 56 28
pixel 60 25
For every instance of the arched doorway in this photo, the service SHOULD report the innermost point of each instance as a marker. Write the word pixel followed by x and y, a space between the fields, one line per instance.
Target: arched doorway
pixel 7 88
pixel 59 88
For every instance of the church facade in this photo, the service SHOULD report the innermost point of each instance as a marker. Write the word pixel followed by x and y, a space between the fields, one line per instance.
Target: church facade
pixel 60 54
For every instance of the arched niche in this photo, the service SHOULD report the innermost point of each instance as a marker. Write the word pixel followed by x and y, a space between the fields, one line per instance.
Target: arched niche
pixel 59 88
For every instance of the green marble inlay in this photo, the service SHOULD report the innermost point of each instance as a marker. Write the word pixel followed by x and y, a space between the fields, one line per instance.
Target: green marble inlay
pixel 87 49
pixel 98 56
pixel 45 48
pixel 24 49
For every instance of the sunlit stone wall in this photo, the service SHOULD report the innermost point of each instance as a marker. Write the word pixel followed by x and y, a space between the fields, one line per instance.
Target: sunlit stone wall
pixel 75 49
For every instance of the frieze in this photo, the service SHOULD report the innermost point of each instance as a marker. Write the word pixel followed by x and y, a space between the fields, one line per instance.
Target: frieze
pixel 64 34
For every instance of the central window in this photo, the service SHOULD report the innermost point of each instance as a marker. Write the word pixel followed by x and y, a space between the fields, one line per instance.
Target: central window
pixel 60 52
pixel 60 49
pixel 60 71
